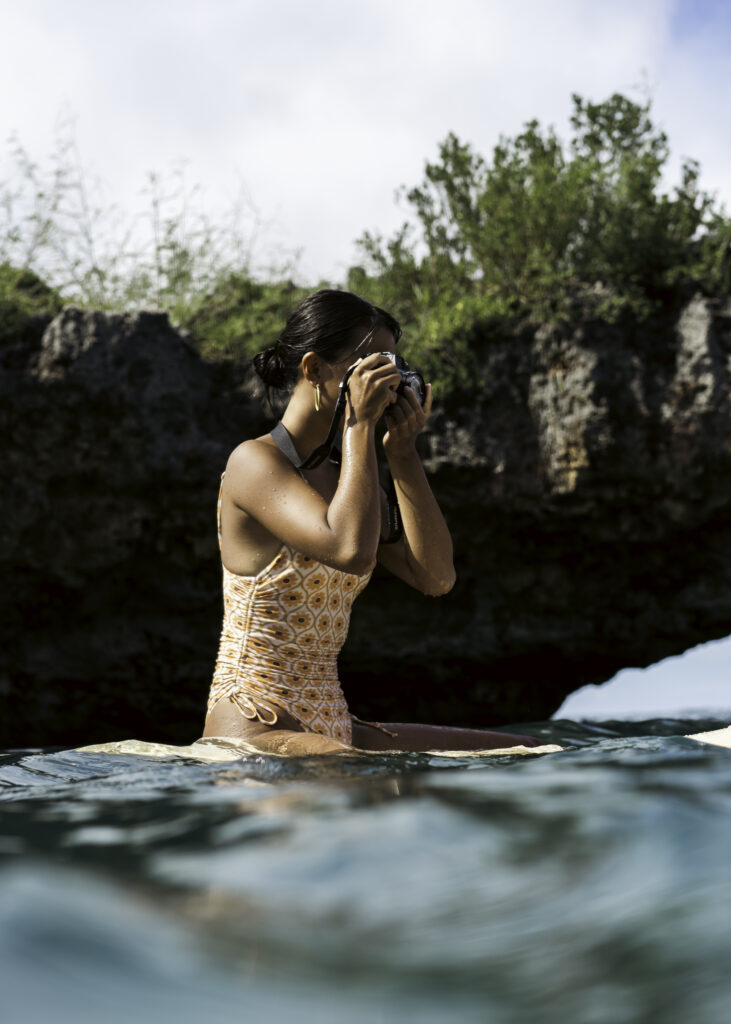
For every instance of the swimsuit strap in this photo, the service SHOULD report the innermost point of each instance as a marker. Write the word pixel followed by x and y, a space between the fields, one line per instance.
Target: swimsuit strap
pixel 283 438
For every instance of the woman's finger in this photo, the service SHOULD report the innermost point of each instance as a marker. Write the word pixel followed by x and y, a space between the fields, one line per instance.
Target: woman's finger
pixel 411 407
pixel 395 415
pixel 374 363
pixel 375 358
pixel 410 396
pixel 368 364
pixel 414 407
pixel 384 370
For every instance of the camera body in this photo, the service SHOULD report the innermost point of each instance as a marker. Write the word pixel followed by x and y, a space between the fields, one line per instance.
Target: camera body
pixel 409 378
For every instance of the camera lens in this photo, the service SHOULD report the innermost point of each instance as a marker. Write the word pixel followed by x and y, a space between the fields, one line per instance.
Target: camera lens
pixel 409 378
pixel 412 379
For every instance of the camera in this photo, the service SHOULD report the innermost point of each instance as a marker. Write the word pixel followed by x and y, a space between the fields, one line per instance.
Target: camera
pixel 409 378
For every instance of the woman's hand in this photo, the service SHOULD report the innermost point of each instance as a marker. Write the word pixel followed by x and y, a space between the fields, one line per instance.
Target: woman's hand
pixel 423 557
pixel 405 420
pixel 372 388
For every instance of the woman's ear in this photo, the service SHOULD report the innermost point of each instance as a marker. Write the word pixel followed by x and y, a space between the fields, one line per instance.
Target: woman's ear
pixel 311 367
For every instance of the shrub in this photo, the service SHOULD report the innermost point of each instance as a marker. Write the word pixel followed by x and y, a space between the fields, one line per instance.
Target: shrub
pixel 544 231
pixel 26 304
pixel 240 316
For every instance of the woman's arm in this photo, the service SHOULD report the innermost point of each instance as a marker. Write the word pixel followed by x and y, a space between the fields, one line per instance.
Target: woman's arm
pixel 344 533
pixel 423 557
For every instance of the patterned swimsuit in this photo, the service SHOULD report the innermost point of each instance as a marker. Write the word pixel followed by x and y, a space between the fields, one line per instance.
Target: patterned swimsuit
pixel 282 632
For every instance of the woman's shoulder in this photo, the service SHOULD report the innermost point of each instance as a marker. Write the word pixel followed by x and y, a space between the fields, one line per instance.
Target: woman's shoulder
pixel 252 451
pixel 251 470
pixel 254 461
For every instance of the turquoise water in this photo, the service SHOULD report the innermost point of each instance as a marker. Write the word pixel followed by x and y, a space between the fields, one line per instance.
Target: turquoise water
pixel 592 885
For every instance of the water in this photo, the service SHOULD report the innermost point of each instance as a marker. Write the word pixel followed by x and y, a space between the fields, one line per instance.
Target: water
pixel 592 885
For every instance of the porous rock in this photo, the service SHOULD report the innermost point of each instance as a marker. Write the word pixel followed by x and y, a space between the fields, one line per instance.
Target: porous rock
pixel 586 481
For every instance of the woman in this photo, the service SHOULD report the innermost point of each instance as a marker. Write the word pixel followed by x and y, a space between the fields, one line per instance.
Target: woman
pixel 298 545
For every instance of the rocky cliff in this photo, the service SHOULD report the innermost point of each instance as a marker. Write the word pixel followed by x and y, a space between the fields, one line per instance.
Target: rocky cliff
pixel 586 480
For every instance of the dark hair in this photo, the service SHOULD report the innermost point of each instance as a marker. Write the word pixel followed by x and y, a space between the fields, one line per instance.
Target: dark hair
pixel 327 322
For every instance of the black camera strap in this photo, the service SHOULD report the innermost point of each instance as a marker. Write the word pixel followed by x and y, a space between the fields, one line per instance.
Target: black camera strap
pixel 282 436
pixel 395 524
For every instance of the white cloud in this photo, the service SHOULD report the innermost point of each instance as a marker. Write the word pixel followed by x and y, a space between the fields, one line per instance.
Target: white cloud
pixel 325 109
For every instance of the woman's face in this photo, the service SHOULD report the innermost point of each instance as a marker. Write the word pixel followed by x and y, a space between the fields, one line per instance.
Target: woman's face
pixel 380 340
pixel 329 375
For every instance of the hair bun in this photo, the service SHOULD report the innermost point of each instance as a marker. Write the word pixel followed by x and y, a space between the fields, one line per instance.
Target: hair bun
pixel 270 367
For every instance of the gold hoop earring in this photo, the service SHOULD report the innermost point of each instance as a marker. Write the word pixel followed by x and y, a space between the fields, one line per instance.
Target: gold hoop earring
pixel 317 397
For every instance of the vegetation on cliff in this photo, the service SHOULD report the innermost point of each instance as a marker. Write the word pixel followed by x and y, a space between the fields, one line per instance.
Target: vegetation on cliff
pixel 25 302
pixel 544 230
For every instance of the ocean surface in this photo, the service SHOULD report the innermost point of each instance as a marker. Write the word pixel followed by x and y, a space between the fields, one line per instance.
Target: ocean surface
pixel 591 885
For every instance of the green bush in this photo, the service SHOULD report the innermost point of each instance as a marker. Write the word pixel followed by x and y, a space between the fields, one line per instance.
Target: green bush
pixel 240 316
pixel 54 221
pixel 24 301
pixel 544 231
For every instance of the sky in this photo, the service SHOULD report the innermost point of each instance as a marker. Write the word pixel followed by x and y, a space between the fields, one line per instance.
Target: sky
pixel 317 113
pixel 321 111
pixel 699 680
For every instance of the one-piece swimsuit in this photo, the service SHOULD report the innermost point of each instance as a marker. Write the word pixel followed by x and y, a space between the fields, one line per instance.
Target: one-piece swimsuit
pixel 282 632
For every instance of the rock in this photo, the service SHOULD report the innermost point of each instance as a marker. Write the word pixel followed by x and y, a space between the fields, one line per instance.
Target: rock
pixel 587 483
pixel 588 488
pixel 110 443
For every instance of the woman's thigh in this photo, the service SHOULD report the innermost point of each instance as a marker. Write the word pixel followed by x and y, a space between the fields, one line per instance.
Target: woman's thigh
pixel 287 736
pixel 414 737
pixel 225 719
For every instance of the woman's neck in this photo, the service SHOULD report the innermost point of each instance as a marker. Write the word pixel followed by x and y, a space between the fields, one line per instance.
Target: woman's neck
pixel 307 427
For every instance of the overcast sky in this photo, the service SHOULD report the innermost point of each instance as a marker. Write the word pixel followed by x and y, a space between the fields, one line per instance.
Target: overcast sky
pixel 321 110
